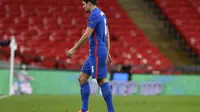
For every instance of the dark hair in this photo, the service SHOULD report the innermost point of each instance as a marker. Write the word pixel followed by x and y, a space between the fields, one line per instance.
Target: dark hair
pixel 94 2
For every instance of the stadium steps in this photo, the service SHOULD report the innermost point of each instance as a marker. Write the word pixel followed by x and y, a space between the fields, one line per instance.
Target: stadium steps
pixel 155 31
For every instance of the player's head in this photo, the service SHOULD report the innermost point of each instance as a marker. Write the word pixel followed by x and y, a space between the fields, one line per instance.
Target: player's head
pixel 88 4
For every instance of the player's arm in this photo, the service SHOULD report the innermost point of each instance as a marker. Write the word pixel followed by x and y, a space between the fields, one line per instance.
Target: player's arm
pixel 81 41
pixel 109 58
pixel 93 20
pixel 108 41
pixel 83 38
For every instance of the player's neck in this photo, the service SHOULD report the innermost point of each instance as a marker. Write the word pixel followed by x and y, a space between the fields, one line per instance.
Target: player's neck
pixel 93 7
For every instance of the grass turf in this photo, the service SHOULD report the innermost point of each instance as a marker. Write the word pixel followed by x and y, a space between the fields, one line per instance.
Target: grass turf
pixel 53 103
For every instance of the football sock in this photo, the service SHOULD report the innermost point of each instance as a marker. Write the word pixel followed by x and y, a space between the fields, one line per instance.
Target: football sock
pixel 85 93
pixel 107 95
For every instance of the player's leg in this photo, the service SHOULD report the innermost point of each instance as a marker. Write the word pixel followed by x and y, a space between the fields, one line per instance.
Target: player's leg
pixel 85 90
pixel 84 84
pixel 107 94
pixel 99 71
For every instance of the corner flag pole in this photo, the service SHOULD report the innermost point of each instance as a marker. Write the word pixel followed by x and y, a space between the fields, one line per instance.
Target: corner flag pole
pixel 13 48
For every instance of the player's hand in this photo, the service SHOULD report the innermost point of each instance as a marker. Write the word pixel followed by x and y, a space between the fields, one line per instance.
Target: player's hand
pixel 109 59
pixel 70 53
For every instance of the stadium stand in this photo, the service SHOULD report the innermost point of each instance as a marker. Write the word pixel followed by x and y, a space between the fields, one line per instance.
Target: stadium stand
pixel 44 29
pixel 184 15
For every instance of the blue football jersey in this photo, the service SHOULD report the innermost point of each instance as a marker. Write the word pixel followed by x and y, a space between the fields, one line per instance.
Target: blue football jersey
pixel 98 40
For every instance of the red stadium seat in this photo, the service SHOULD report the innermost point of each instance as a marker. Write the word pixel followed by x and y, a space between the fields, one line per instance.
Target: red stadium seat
pixel 184 15
pixel 47 28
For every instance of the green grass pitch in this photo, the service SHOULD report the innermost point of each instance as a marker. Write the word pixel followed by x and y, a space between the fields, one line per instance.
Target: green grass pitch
pixel 53 103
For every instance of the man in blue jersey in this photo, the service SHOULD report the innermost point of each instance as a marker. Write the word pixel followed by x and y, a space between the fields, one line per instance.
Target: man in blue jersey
pixel 99 56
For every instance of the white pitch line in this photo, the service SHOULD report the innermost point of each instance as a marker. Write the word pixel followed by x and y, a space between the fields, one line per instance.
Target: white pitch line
pixel 4 96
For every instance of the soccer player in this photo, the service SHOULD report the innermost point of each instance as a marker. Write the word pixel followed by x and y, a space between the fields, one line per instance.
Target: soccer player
pixel 99 57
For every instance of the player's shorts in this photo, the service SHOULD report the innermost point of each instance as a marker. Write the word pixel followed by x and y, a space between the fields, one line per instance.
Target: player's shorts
pixel 95 66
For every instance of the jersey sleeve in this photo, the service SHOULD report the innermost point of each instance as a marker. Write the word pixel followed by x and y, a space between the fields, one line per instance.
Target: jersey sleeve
pixel 92 21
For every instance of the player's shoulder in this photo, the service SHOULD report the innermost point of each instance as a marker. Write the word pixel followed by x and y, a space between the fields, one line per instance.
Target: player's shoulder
pixel 94 16
pixel 95 13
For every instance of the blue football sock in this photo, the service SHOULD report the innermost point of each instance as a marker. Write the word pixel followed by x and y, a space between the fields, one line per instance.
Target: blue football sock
pixel 106 91
pixel 85 93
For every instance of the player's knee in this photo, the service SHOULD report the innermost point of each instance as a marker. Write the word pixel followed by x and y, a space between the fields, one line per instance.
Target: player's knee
pixel 82 79
pixel 101 81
